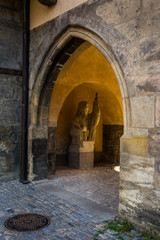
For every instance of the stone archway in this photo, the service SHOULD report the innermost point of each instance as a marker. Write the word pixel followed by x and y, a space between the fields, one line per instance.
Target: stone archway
pixel 41 138
pixel 84 74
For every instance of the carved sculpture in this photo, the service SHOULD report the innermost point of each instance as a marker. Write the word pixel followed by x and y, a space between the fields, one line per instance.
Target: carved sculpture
pixel 84 123
pixel 78 130
pixel 93 119
pixel 82 131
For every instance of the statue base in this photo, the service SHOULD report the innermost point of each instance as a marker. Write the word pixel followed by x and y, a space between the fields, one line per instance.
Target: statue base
pixel 81 157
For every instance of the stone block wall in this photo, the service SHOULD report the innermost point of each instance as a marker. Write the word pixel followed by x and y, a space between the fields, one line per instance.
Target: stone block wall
pixel 111 143
pixel 131 31
pixel 10 87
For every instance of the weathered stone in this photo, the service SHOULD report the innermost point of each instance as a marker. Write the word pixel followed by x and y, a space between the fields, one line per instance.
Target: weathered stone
pixel 11 35
pixel 139 27
pixel 40 132
pixel 111 143
pixel 151 5
pixel 134 39
pixel 157 166
pixel 10 100
pixel 137 170
pixel 40 167
pixel 135 205
pixel 81 156
pixel 137 145
pixel 149 85
pixel 158 111
pixel 154 141
pixel 157 181
pixel 113 12
pixel 142 111
pixel 51 139
pixel 39 147
pixel 51 163
pixel 10 90
pixel 81 160
pixel 10 87
pixel 10 113
pixel 52 150
pixel 9 152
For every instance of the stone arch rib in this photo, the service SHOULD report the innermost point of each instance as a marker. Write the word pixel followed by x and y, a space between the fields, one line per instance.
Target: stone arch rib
pixel 56 58
pixel 41 137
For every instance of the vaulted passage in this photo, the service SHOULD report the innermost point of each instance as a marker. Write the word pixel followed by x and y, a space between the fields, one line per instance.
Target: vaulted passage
pixel 79 75
pixel 86 73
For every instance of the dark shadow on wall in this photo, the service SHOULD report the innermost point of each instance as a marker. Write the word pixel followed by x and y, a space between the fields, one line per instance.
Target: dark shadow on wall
pixel 111 143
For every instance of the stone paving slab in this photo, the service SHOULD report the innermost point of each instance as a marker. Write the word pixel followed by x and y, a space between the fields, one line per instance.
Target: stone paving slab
pixel 92 207
pixel 98 184
pixel 69 220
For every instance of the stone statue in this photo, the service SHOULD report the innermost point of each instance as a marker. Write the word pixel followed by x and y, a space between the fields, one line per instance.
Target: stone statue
pixel 82 131
pixel 84 123
pixel 93 119
pixel 78 130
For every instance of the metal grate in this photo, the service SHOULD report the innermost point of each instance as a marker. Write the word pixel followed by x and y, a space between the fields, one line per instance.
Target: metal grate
pixel 27 222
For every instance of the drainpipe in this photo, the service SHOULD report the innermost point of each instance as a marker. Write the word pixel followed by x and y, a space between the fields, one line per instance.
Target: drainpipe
pixel 25 83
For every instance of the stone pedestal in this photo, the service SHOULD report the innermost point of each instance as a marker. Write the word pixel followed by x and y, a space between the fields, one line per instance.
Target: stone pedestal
pixel 81 157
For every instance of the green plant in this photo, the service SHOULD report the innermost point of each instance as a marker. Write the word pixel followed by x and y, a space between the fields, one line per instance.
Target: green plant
pixel 100 231
pixel 149 235
pixel 119 226
pixel 121 238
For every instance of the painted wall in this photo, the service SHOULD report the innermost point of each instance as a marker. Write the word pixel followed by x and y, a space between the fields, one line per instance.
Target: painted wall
pixel 40 14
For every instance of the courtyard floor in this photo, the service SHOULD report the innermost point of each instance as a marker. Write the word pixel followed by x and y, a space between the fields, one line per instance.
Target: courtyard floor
pixel 77 201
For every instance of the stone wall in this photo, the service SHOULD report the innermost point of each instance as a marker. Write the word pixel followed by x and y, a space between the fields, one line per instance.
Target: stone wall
pixel 111 143
pixel 131 30
pixel 10 87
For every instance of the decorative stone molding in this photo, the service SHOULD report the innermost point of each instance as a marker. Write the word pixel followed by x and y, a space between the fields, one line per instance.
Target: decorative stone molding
pixel 47 2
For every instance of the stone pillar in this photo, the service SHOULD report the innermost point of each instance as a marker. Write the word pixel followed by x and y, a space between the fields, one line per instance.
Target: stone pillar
pixel 81 156
pixel 51 150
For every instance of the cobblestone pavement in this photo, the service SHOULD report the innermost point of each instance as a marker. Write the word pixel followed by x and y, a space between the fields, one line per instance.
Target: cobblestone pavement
pixel 69 219
pixel 99 184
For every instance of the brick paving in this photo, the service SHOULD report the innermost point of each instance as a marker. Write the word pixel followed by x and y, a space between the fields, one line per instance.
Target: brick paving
pixel 69 219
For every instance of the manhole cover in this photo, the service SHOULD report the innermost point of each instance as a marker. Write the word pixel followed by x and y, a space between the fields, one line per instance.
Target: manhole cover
pixel 27 222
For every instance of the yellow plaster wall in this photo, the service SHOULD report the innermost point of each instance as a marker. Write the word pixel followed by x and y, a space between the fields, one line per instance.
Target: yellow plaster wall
pixel 84 74
pixel 109 106
pixel 68 112
pixel 90 67
pixel 40 14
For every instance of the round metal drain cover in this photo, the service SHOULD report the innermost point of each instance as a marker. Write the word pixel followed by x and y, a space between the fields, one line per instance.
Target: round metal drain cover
pixel 27 222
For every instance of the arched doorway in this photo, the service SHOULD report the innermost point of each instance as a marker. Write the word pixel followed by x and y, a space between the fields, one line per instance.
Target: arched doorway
pixel 81 77
pixel 42 138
